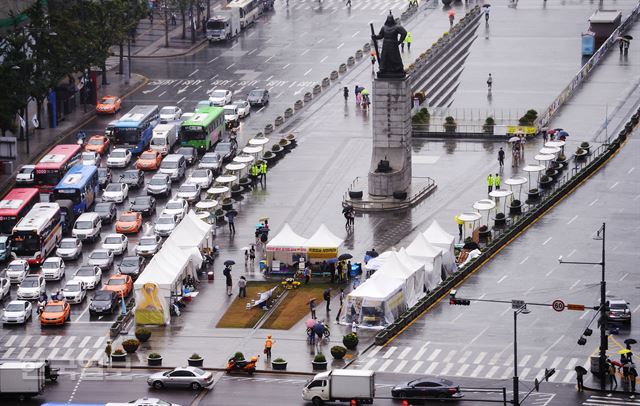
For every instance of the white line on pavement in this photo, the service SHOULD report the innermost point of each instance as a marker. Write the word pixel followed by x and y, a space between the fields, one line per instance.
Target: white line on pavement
pixel 636 309
pixel 415 367
pixel 389 352
pixel 10 351
pixel 553 345
pixel 84 341
pixel 624 276
pixel 53 353
pixel 593 202
pixel 269 58
pixel 571 253
pixel 38 353
pixel 10 341
pixel 492 371
pixel 421 351
pixel 194 72
pixel 340 46
pixel 551 271
pixel 373 352
pixel 83 354
pixel 614 185
pixel 523 374
pixel 214 59
pixel 286 66
pixel 252 51
pixel 67 354
pixel 99 342
pixel 307 72
pixel 434 355
pixel 541 361
pixel 547 240
pixel 572 219
pixel 404 353
pixel 401 365
pixel 431 368
pixel 55 341
pixel 39 341
pixel 574 284
pixel 369 364
pixel 181 100
pixel 355 33
pixel 23 352
pixel 324 59
pixel 24 341
pixel 385 365
pixel 160 95
pixel 503 278
pixel 584 314
pixel 462 370
pixel 631 170
pixel 229 67
pixel 480 357
pixel 524 360
pixel 476 371
pixel 304 52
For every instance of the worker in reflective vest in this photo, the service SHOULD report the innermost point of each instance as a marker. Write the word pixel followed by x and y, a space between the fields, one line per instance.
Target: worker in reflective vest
pixel 263 173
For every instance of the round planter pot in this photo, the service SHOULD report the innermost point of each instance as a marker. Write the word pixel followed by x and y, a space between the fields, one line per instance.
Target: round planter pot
pixel 545 185
pixel 400 195
pixel 118 358
pixel 355 194
pixel 244 182
pixel 319 366
pixel 227 207
pixel 533 197
pixel 581 157
pixel 285 143
pixel 143 338
pixel 500 222
pixel 515 209
pixel 130 349
pixel 484 235
pixel 279 366
pixel 195 362
pixel 154 362
pixel 553 174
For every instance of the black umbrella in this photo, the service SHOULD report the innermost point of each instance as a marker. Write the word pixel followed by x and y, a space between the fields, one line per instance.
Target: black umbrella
pixel 344 257
pixel 486 5
pixel 627 36
pixel 372 254
pixel 630 341
pixel 229 262
pixel 580 370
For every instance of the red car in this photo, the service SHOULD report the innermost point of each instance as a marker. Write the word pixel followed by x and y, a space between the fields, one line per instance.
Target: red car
pixel 121 284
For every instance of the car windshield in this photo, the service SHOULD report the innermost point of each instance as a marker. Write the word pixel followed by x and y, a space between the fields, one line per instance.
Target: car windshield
pixel 185 151
pixel 204 103
pixel 128 218
pixel 50 264
pixel 131 175
pixel 26 170
pixel 113 187
pixel 210 159
pixel 118 154
pixel 241 103
pixel 14 307
pixel 199 173
pixel 116 282
pixel 174 206
pixel 112 240
pixel 167 110
pixel 73 287
pixel 86 272
pixel 103 208
pixel 165 220
pixel 99 255
pixel 148 155
pixel 199 371
pixel 618 306
pixel 255 93
pixel 102 296
pixel 188 188
pixel 53 308
pixel 157 181
pixel 88 156
pixel 95 141
pixel 16 267
pixel 108 101
pixel 218 93
pixel 223 147
pixel 142 200
pixel 229 112
pixel 29 283
pixel 130 261
pixel 169 164
pixel 68 244
pixel 148 241
pixel 84 225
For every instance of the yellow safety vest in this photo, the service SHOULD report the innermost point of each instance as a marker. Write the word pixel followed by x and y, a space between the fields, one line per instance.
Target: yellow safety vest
pixel 263 168
pixel 490 180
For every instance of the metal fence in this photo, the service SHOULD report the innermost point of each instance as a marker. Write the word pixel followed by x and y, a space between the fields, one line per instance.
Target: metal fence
pixel 476 116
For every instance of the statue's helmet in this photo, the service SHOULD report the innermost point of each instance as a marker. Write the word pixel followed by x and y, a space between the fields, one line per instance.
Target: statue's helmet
pixel 390 20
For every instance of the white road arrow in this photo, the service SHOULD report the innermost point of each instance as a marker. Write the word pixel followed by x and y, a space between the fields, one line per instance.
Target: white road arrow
pixel 184 89
pixel 151 90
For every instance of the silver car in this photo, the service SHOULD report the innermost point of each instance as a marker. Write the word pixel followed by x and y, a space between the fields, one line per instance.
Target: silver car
pixel 165 224
pixel 149 245
pixel 185 377
pixel 103 259
pixel 69 248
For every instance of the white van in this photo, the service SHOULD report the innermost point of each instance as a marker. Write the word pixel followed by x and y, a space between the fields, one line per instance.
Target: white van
pixel 174 165
pixel 165 136
pixel 87 227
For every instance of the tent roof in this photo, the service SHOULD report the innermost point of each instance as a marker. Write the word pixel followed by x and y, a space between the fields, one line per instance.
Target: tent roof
pixel 165 268
pixel 191 232
pixel 396 267
pixel 435 234
pixel 323 238
pixel 420 247
pixel 409 261
pixel 377 262
pixel 380 288
pixel 287 238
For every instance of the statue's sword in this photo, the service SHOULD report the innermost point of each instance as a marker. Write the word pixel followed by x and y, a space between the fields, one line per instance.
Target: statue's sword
pixel 375 43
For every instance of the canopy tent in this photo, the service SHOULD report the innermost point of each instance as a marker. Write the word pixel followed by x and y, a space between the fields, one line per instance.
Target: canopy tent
pixel 323 244
pixel 286 247
pixel 410 272
pixel 430 256
pixel 191 232
pixel 376 303
pixel 376 263
pixel 436 235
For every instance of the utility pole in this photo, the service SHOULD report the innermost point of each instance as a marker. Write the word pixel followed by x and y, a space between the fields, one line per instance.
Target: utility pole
pixel 516 381
pixel 166 24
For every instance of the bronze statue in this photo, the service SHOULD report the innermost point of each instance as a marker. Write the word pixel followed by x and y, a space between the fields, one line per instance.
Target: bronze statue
pixel 390 61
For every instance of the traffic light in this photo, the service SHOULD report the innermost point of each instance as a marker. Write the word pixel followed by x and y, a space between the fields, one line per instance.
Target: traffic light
pixel 536 384
pixel 462 302
pixel 582 341
pixel 548 373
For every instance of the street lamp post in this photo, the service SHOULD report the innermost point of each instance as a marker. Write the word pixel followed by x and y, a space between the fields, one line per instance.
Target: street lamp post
pixel 600 235
pixel 516 381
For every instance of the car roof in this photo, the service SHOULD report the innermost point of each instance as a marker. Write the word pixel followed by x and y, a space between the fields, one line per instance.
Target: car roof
pixel 120 150
pixel 53 259
pixel 176 200
pixel 18 302
pixel 18 261
pixel 105 204
pixel 99 250
pixel 74 282
pixel 113 235
pixel 618 301
pixel 28 167
pixel 88 216
pixel 160 175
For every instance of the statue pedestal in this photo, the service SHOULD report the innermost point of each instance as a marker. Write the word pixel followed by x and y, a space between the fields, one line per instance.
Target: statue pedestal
pixel 391 113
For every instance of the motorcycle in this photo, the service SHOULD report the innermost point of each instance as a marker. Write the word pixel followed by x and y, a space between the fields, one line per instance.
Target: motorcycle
pixel 51 374
pixel 248 366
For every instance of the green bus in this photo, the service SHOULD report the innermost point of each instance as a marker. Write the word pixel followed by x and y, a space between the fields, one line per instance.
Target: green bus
pixel 203 129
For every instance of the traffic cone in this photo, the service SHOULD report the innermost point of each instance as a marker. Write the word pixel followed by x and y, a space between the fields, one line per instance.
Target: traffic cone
pixel 405 402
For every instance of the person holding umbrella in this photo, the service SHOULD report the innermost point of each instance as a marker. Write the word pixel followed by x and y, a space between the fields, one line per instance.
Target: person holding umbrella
pixel 312 307
pixel 633 375
pixel 227 275
pixel 580 373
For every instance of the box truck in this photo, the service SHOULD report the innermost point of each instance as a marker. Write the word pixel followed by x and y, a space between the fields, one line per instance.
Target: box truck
pixel 224 25
pixel 341 385
pixel 165 136
pixel 21 379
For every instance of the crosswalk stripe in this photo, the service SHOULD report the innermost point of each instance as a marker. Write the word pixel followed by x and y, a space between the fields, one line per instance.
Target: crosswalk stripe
pixel 524 360
pixel 462 370
pixel 83 354
pixel 509 361
pixel 24 341
pixel 9 352
pixel 55 341
pixel 36 355
pixel 390 351
pixel 39 341
pixel 385 365
pixel 476 371
pixel 84 341
pixel 421 352
pixel 480 357
pixel 67 354
pixel 507 373
pixel 415 367
pixel 556 362
pixel 492 371
pixel 10 341
pixel 69 341
pixel 53 353
pixel 99 342
pixel 494 359
pixel 610 402
pixel 97 355
pixel 569 377
pixel 446 369
pixel 400 366
pixel 433 366
pixel 449 356
pixel 404 353
pixel 23 353
pixel 464 357
pixel 523 374
pixel 369 364
pixel 541 361
pixel 571 364
pixel 373 352
pixel 434 354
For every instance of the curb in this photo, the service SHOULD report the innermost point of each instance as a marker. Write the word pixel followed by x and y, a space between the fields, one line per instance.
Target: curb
pixel 187 52
pixel 145 367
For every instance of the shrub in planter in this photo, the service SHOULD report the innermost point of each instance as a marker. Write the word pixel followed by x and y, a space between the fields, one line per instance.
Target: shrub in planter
pixel 338 351
pixel 515 207
pixel 350 340
pixel 544 181
pixel 483 229
pixel 143 334
pixel 131 345
pixel 450 124
pixel 279 364
pixel 195 360
pixel 118 355
pixel 529 117
pixel 154 359
pixel 319 362
pixel 276 149
pixel 488 125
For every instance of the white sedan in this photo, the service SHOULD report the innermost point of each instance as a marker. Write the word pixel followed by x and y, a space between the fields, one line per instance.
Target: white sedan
pixel 17 312
pixel 244 108
pixel 179 207
pixel 189 192
pixel 5 287
pixel 17 270
pixel 165 225
pixel 69 248
pixel 90 158
pixel 116 243
pixel 53 268
pixel 119 158
pixel 149 245
pixel 32 287
pixel 202 177
pixel 90 275
pixel 74 291
pixel 115 192
pixel 220 97
pixel 170 113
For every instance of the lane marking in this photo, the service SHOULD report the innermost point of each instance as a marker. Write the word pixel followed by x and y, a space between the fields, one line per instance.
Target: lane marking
pixel 420 352
pixel 523 374
pixel 53 353
pixel 196 89
pixel 524 360
pixel 631 170
pixel 214 59
pixel 10 341
pixel 584 314
pixel 194 72
pixel 181 100
pixel 99 342
pixel 571 253
pixel 340 46
pixel 553 345
pixel 229 67
pixel 431 368
pixel 10 351
pixel 524 260
pixel 400 366
pixel 547 240
pixel 67 354
pixel 252 51
pixel 437 352
pixel 574 284
pixel 480 357
pixel 492 371
pixel 503 278
pixel 40 340
pixel 450 356
pixel 84 341
pixel 462 370
pixel 55 341
pixel 38 353
pixel 415 367
pixel 305 51
pixel 593 202
pixel 369 364
pixel 572 219
pixel 636 309
pixel 446 369
pixel 324 59
pixel 372 353
pixel 160 95
pixel 389 352
pixel 355 33
pixel 551 271
pixel 286 66
pixel 269 58
pixel 464 357
pixel 24 341
pixel 404 353
pixel 614 185
pixel 307 72
pixel 624 276
pixel 23 352
pixel 476 371
pixel 385 365
pixel 541 361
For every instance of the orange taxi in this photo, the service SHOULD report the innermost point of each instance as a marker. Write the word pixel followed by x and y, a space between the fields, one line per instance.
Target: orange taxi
pixel 121 284
pixel 98 144
pixel 55 313
pixel 149 160
pixel 129 222
pixel 108 105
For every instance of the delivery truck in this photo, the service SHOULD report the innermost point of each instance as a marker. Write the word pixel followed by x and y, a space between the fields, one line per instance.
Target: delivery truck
pixel 21 379
pixel 165 136
pixel 341 385
pixel 224 25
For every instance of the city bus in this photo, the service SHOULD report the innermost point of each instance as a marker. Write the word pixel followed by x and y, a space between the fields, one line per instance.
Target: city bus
pixel 38 233
pixel 15 205
pixel 249 10
pixel 52 167
pixel 80 185
pixel 135 129
pixel 203 129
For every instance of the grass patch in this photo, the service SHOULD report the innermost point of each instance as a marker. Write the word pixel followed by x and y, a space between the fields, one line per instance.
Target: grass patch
pixel 237 315
pixel 296 306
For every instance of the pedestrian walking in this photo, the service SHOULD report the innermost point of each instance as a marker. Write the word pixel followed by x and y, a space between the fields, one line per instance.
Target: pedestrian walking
pixel 341 297
pixel 246 258
pixel 151 17
pixel 611 371
pixel 621 45
pixel 231 216
pixel 625 46
pixel 452 16
pixel 307 275
pixel 327 298
pixel 489 82
pixel 373 60
pixel 501 157
pixel 345 92
pixel 633 375
pixel 339 272
pixel 407 39
pixel 348 3
pixel 490 183
pixel 268 343
pixel 486 14
pixel 545 136
pixel 227 275
pixel 354 327
pixel 252 255
pixel 107 351
pixel 496 181
pixel 204 25
pixel 242 287
pixel 173 19
pixel 312 307
pixel 580 379
pixel 460 226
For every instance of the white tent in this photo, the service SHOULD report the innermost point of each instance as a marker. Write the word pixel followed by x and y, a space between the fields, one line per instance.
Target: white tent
pixel 430 256
pixel 323 244
pixel 286 247
pixel 437 236
pixel 410 272
pixel 191 232
pixel 376 263
pixel 376 303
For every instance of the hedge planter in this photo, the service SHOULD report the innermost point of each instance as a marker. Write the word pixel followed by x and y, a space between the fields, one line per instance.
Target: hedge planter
pixel 285 143
pixel 195 361
pixel 155 361
pixel 366 47
pixel 298 105
pixel 500 220
pixel 277 150
pixel 484 234
pixel 585 146
pixel 552 173
pixel 244 182
pixel 268 129
pixel 580 155
pixel 227 204
pixel 545 182
pixel 319 366
pixel 359 54
pixel 317 89
pixel 355 194
pixel 143 334
pixel 131 345
pixel 289 112
pixel 270 158
pixel 350 340
pixel 400 195
pixel 119 357
pixel 515 207
pixel 334 75
pixel 115 328
pixel 326 82
pixel 291 138
pixel 279 121
pixel 338 351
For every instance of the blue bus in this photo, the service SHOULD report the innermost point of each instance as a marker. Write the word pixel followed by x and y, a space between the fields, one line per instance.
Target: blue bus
pixel 135 129
pixel 80 185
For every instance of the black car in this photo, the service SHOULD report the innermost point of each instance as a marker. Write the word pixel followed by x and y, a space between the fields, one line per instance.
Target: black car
pixel 107 212
pixel 104 176
pixel 144 204
pixel 132 266
pixel 258 97
pixel 427 388
pixel 133 177
pixel 104 302
pixel 190 154
pixel 227 150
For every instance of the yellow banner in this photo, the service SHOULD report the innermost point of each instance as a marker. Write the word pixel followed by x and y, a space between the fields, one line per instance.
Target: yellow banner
pixel 512 129
pixel 322 252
